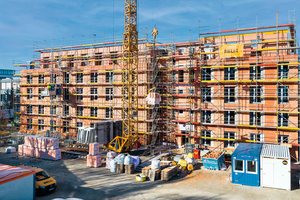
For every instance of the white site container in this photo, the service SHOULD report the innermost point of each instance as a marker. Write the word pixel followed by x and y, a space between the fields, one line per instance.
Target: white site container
pixel 275 167
pixel 16 183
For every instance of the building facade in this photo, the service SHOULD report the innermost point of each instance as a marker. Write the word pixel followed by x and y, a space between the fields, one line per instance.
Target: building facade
pixel 227 87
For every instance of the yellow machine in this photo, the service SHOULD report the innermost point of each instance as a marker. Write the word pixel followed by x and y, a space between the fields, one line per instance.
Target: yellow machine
pixel 43 182
pixel 130 82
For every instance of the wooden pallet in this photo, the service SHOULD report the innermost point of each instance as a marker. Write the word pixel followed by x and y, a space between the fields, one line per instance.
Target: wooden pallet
pixel 168 173
pixel 154 174
pixel 145 171
pixel 164 162
pixel 120 168
pixel 129 169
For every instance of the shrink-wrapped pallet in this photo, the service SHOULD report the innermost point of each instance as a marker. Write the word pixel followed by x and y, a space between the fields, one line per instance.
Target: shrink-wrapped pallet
pixel 21 149
pixel 37 153
pixel 31 151
pixel 45 154
pixel 30 141
pixel 52 143
pixel 93 149
pixel 113 166
pixel 55 154
pixel 39 142
pixel 111 154
pixel 25 150
pixel 93 160
pixel 108 160
pixel 26 140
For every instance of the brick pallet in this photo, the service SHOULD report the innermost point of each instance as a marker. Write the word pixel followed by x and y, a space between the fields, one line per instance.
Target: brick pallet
pixel 129 169
pixel 168 173
pixel 154 174
pixel 120 168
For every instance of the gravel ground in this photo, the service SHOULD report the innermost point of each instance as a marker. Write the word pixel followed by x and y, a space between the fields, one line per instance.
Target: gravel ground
pixel 75 179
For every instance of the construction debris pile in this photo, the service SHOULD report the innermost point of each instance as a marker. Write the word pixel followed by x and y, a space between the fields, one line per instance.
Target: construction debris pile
pixel 40 147
pixel 213 160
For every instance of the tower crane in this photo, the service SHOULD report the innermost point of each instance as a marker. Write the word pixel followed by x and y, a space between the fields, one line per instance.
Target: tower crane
pixel 130 82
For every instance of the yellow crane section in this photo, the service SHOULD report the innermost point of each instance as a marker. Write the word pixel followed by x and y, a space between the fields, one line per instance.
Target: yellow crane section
pixel 129 81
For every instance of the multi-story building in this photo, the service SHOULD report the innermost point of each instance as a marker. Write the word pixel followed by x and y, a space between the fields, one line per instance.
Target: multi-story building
pixel 8 87
pixel 7 73
pixel 227 87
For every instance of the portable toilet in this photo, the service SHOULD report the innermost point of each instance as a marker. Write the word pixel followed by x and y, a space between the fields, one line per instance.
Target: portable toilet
pixel 245 164
pixel 275 166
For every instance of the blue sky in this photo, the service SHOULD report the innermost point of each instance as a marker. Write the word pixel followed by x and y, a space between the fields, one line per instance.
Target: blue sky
pixel 29 24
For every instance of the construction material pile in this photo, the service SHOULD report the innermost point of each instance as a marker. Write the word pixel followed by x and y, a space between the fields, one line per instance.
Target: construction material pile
pixel 109 157
pixel 93 158
pixel 168 173
pixel 40 147
pixel 121 163
pixel 156 171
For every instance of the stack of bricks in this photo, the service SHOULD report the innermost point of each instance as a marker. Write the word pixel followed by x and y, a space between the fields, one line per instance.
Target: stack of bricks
pixel 40 147
pixel 93 159
pixel 129 169
pixel 168 173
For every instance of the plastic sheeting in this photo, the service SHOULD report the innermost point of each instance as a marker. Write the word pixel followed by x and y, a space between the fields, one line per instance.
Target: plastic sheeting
pixel 136 161
pixel 113 166
pixel 86 135
pixel 120 159
pixel 177 158
pixel 108 160
pixel 128 160
pixel 153 98
pixel 111 154
pixel 155 164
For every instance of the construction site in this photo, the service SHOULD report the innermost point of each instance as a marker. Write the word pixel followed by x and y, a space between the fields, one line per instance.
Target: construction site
pixel 201 94
pixel 188 105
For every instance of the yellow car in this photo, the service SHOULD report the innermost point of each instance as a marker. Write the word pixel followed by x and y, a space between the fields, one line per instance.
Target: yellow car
pixel 43 181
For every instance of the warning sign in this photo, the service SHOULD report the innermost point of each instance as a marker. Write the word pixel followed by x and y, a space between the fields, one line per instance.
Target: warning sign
pixel 231 50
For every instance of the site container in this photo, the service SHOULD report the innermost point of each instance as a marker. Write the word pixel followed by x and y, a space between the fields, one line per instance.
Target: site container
pixel 16 183
pixel 213 163
pixel 245 164
pixel 275 167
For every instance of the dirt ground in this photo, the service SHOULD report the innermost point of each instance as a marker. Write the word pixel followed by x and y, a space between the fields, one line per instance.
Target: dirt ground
pixel 76 180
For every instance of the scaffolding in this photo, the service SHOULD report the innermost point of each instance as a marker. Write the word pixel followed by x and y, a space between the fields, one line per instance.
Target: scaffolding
pixel 208 97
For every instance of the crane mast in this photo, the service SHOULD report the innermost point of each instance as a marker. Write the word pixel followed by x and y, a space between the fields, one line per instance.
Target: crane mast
pixel 130 82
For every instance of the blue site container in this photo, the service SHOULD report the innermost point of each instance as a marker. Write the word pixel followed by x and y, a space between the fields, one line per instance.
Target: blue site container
pixel 245 164
pixel 213 163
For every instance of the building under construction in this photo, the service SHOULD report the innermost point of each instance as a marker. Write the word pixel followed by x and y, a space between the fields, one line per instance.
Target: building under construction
pixel 229 86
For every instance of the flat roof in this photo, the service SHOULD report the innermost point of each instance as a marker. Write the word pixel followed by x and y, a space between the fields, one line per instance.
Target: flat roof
pixel 9 173
pixel 248 149
pixel 275 151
